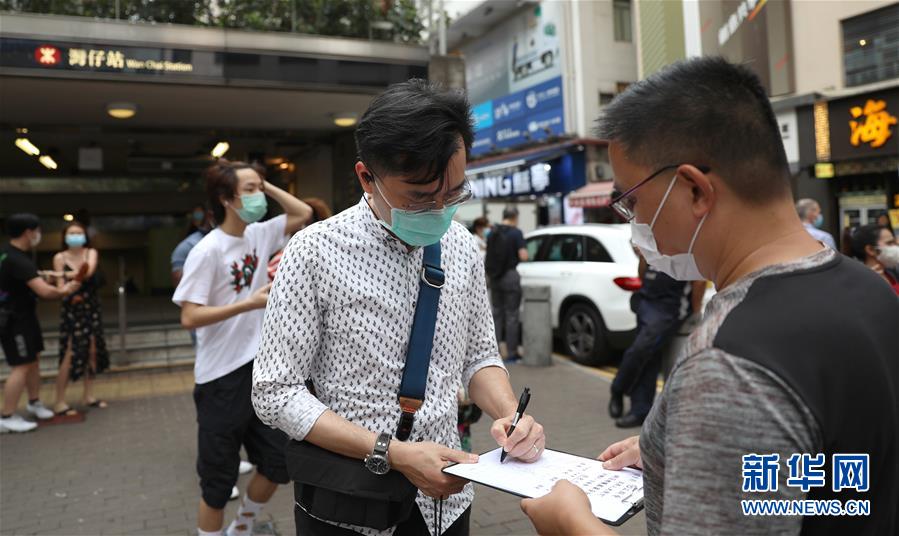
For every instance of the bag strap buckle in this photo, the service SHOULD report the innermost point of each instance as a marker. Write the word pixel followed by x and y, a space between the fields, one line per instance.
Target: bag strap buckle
pixel 433 277
pixel 407 418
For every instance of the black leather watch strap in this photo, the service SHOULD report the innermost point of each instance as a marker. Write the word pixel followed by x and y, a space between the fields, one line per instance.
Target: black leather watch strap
pixel 382 444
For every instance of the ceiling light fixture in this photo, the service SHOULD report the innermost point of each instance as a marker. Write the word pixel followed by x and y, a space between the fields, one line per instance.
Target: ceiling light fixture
pixel 48 162
pixel 862 42
pixel 220 149
pixel 121 110
pixel 68 217
pixel 27 146
pixel 284 165
pixel 346 119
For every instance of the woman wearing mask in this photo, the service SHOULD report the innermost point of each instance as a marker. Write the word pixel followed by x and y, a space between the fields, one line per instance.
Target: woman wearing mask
pixel 876 247
pixel 480 228
pixel 82 348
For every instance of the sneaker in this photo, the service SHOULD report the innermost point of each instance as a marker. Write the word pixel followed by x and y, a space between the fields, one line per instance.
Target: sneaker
pixel 39 410
pixel 15 424
pixel 245 467
pixel 237 530
pixel 235 493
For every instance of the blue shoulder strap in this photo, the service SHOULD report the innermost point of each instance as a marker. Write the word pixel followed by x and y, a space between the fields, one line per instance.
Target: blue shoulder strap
pixel 421 341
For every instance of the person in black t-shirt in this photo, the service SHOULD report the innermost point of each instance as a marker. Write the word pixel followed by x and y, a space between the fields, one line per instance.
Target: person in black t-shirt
pixel 20 332
pixel 505 249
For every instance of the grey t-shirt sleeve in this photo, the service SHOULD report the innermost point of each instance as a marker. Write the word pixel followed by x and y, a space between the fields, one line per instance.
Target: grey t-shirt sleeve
pixel 723 407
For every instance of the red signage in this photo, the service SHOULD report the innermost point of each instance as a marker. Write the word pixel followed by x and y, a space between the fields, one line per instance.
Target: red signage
pixel 47 55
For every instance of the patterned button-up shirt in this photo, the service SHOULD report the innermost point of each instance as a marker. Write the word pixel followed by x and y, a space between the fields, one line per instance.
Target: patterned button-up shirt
pixel 340 313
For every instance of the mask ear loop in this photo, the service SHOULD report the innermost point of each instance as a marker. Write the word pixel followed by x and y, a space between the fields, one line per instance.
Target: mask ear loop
pixel 696 233
pixel 664 199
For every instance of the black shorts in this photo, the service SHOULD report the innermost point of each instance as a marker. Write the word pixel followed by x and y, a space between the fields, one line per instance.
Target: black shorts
pixel 226 421
pixel 21 340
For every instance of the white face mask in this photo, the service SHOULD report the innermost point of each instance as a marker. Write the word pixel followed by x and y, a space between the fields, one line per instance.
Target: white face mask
pixel 681 266
pixel 35 239
pixel 889 256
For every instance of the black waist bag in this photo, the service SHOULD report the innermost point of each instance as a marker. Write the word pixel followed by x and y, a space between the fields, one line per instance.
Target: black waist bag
pixel 341 489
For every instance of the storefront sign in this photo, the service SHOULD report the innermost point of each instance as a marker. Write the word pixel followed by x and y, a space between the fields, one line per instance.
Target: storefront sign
pixel 57 58
pixel 514 75
pixel 551 173
pixel 67 56
pixel 871 124
pixel 824 170
pixel 528 181
pixel 532 114
pixel 864 126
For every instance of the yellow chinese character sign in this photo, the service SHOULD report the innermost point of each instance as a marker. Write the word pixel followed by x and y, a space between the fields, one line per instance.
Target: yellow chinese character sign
pixel 875 129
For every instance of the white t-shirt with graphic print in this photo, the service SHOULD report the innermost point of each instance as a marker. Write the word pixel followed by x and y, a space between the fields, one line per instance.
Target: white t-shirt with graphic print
pixel 220 270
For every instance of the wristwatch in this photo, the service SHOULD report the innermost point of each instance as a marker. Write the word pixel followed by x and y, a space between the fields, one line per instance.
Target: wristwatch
pixel 376 462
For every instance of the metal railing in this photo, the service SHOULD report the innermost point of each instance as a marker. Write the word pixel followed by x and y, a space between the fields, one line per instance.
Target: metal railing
pixel 123 313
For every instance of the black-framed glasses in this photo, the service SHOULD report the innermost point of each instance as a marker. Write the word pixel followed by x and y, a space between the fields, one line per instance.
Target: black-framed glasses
pixel 463 194
pixel 623 203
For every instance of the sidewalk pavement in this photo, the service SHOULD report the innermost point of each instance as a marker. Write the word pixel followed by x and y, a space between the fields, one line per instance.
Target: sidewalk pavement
pixel 129 469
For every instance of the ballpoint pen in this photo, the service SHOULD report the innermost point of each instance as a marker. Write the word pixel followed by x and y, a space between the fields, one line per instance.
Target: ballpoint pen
pixel 522 405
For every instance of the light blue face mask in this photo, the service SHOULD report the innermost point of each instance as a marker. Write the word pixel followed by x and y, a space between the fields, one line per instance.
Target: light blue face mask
pixel 418 229
pixel 75 240
pixel 254 207
pixel 819 221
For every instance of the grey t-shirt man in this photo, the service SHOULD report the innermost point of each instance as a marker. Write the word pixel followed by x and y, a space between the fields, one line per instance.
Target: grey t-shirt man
pixel 727 399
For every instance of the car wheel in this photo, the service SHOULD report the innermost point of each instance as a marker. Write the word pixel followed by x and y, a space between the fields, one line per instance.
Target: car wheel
pixel 547 59
pixel 583 335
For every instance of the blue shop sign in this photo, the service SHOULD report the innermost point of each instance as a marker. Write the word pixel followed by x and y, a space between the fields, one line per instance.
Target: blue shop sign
pixel 558 174
pixel 525 116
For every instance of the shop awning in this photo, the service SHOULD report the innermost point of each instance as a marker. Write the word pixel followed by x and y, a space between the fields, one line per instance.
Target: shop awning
pixel 593 195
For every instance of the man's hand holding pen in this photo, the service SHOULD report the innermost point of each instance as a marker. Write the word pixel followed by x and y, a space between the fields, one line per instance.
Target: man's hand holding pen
pixel 519 434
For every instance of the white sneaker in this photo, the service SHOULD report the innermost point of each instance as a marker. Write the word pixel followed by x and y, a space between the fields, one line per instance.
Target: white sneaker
pixel 15 424
pixel 39 410
pixel 235 493
pixel 245 467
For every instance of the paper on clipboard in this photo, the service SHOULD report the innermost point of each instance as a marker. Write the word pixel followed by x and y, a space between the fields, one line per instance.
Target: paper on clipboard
pixel 612 493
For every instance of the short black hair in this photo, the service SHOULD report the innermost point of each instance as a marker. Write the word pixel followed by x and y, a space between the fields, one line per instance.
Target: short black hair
pixel 413 129
pixel 862 236
pixel 17 224
pixel 510 213
pixel 703 111
pixel 221 181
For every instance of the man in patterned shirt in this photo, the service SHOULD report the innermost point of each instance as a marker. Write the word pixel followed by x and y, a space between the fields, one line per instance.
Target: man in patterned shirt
pixel 796 353
pixel 342 304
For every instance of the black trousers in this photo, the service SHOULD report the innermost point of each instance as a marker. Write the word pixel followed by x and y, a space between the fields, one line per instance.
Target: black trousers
pixel 414 526
pixel 642 361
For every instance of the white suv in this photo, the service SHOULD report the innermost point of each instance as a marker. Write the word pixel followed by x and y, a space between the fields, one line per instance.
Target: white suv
pixel 592 272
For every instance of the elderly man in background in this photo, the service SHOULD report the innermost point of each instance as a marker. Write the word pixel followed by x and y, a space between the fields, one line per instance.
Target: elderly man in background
pixel 810 213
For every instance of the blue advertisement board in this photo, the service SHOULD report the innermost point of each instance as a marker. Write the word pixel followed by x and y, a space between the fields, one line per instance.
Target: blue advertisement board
pixel 532 114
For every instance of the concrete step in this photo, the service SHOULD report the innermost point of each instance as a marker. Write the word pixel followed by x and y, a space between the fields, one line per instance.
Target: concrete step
pixel 164 345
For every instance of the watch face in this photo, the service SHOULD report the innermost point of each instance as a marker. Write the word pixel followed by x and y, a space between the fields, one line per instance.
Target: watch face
pixel 377 464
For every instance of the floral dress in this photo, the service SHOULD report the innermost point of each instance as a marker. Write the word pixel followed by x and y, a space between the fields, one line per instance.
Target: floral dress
pixel 80 320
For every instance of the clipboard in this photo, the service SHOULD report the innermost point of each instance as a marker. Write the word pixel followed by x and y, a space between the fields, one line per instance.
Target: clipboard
pixel 615 496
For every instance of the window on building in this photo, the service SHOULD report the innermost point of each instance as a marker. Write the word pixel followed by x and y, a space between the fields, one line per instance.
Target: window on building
pixel 871 46
pixel 622 16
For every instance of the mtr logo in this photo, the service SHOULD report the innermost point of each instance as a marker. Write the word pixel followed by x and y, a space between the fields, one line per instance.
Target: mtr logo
pixel 47 56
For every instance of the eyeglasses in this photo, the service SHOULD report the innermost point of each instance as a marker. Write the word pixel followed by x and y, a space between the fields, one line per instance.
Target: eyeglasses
pixel 623 203
pixel 459 197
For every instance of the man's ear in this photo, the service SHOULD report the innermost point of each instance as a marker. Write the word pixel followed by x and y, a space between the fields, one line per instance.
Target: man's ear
pixel 704 195
pixel 364 176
